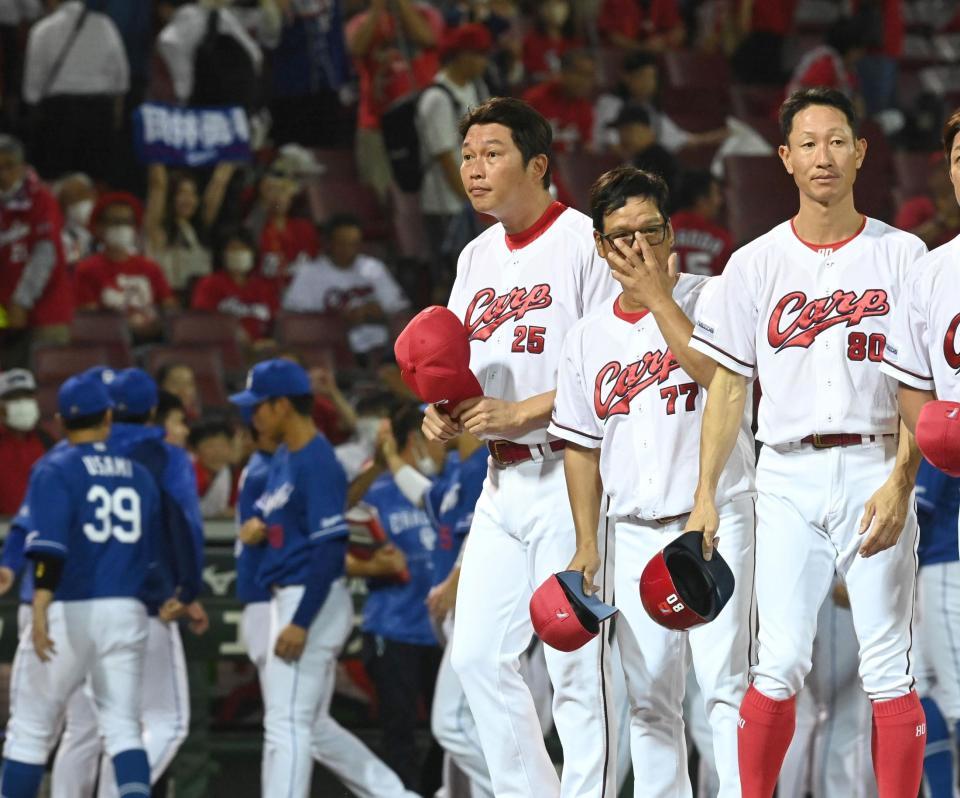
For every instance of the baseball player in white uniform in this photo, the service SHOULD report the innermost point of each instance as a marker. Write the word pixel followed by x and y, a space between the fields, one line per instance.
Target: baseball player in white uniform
pixel 629 401
pixel 520 287
pixel 806 308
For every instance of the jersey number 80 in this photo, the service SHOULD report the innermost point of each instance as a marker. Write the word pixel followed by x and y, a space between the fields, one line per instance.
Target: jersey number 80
pixel 123 504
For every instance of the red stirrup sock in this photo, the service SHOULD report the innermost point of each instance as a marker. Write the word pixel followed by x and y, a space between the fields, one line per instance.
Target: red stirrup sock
pixel 764 733
pixel 899 739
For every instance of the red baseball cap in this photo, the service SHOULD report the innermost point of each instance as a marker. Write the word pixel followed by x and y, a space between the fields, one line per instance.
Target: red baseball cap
pixel 473 37
pixel 433 353
pixel 938 435
pixel 104 201
pixel 564 617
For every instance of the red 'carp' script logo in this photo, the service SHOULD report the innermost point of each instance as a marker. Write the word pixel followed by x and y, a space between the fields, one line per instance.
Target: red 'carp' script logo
pixel 616 385
pixel 488 312
pixel 797 322
pixel 950 344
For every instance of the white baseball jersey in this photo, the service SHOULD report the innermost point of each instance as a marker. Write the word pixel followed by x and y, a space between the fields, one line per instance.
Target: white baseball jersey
pixel 519 295
pixel 813 322
pixel 923 350
pixel 620 388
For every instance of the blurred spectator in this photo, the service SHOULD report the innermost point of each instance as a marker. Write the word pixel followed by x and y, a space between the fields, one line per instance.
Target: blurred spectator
pixel 702 244
pixel 134 22
pixel 171 416
pixel 211 444
pixel 177 224
pixel 358 451
pixel 934 217
pixel 882 25
pixel 394 46
pixel 400 651
pixel 308 68
pixel 832 64
pixel 639 84
pixel 75 76
pixel 332 413
pixel 565 101
pixel 344 281
pixel 14 17
pixel 76 195
pixel 550 37
pixel 638 145
pixel 449 219
pixel 36 294
pixel 21 442
pixel 210 57
pixel 760 27
pixel 652 25
pixel 179 379
pixel 118 277
pixel 236 290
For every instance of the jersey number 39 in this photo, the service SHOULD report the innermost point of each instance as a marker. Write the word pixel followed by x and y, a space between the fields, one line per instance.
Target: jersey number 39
pixel 117 515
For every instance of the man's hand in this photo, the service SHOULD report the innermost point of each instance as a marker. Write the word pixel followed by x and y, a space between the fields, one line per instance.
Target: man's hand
pixel 442 598
pixel 7 578
pixel 490 419
pixel 646 281
pixel 16 316
pixel 197 615
pixel 438 426
pixel 587 561
pixel 42 643
pixel 704 518
pixel 171 610
pixel 290 643
pixel 253 532
pixel 388 560
pixel 884 515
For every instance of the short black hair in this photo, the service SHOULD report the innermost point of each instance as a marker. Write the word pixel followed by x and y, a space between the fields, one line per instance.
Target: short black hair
pixel 164 371
pixel 693 186
pixel 90 421
pixel 614 188
pixel 818 95
pixel 208 427
pixel 133 418
pixel 167 403
pixel 950 130
pixel 338 220
pixel 379 403
pixel 637 61
pixel 302 404
pixel 229 233
pixel 405 420
pixel 531 133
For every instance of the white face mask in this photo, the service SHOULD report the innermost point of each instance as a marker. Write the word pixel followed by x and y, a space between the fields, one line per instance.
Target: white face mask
pixel 239 262
pixel 79 213
pixel 22 414
pixel 425 464
pixel 121 236
pixel 366 430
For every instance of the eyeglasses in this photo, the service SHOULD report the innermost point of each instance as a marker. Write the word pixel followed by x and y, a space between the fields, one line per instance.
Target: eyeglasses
pixel 654 235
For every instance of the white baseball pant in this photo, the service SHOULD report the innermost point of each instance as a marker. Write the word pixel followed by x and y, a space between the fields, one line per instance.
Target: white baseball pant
pixel 830 752
pixel 809 506
pixel 297 695
pixel 522 533
pixel 255 633
pixel 938 637
pixel 656 659
pixel 700 735
pixel 102 638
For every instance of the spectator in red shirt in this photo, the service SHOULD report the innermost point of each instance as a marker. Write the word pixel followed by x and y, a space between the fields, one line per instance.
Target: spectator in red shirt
pixel 120 278
pixel 211 445
pixel 284 238
pixel 36 297
pixel 395 50
pixel 237 290
pixel 21 443
pixel 934 217
pixel 834 63
pixel 551 36
pixel 759 30
pixel 565 101
pixel 654 25
pixel 884 31
pixel 702 244
pixel 77 195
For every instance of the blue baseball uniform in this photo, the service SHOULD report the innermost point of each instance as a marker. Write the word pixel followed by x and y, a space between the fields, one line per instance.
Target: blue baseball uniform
pixel 253 482
pixel 938 504
pixel 397 611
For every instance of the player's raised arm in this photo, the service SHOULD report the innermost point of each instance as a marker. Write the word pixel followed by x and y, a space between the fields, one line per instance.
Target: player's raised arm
pixel 722 417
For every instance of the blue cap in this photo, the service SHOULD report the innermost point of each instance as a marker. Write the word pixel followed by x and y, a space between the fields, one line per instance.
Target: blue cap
pixel 103 373
pixel 270 379
pixel 83 395
pixel 133 392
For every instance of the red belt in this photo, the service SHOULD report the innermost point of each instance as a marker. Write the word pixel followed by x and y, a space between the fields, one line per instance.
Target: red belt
pixel 509 453
pixel 832 439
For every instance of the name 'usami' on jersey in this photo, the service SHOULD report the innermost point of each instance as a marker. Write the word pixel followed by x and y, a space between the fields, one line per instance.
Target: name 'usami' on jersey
pixel 101 465
pixel 519 295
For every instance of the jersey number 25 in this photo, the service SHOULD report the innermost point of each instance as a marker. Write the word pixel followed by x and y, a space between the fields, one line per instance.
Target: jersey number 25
pixel 117 515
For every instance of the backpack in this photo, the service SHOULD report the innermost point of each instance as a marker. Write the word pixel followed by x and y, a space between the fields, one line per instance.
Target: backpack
pixel 223 72
pixel 402 139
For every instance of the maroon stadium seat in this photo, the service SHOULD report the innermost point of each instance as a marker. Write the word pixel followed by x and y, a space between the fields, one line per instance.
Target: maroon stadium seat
pixel 577 172
pixel 750 101
pixel 216 330
pixel 759 195
pixel 319 331
pixel 912 170
pixel 207 367
pixel 52 364
pixel 107 329
pixel 337 163
pixel 330 195
pixel 689 68
pixel 47 399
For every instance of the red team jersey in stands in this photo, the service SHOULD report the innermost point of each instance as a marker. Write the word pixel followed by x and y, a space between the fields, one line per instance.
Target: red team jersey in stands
pixel 18 453
pixel 636 20
pixel 254 303
pixel 135 286
pixel 703 246
pixel 29 216
pixel 571 120
pixel 279 247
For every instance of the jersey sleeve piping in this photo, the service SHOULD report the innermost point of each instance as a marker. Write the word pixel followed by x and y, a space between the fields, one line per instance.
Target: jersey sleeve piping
pixel 907 377
pixel 714 352
pixel 50 546
pixel 573 435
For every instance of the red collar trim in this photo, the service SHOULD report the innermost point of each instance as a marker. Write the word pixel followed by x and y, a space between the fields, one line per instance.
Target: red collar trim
pixel 630 318
pixel 537 229
pixel 833 247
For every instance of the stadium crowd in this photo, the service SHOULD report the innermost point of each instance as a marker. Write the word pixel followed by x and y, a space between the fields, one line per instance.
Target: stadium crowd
pixel 343 213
